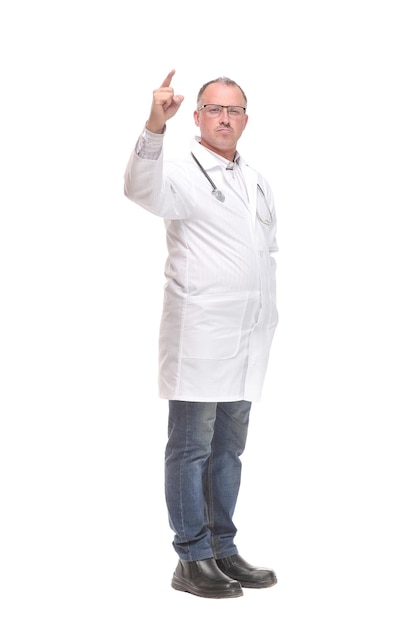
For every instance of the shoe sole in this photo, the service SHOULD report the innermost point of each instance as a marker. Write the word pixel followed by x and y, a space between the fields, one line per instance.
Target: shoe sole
pixel 182 585
pixel 254 585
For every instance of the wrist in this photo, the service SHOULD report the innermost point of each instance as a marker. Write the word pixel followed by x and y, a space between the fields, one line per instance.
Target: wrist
pixel 155 128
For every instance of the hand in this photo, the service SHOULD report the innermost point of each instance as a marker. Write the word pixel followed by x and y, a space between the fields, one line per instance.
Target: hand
pixel 164 105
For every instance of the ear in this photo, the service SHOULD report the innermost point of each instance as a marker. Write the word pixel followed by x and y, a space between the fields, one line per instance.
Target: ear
pixel 197 118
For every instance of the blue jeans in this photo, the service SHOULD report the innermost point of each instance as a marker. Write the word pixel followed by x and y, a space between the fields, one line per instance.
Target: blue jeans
pixel 202 475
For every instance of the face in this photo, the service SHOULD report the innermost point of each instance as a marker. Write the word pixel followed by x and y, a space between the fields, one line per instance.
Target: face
pixel 221 134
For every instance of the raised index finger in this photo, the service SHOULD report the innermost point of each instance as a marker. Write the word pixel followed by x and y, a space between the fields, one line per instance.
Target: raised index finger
pixel 168 79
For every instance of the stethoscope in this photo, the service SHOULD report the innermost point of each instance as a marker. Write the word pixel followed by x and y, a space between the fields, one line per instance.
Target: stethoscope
pixel 219 195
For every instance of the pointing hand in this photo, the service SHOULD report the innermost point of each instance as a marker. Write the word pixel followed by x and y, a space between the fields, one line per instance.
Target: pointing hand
pixel 164 105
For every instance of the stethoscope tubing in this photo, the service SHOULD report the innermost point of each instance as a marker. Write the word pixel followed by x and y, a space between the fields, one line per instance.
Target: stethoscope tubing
pixel 219 195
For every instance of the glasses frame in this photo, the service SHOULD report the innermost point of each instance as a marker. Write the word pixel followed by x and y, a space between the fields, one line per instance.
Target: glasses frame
pixel 223 106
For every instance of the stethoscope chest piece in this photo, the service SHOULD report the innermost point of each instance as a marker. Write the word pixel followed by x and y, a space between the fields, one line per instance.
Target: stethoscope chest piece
pixel 219 195
pixel 216 193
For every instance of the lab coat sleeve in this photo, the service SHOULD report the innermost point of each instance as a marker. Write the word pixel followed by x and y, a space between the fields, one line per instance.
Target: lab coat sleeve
pixel 143 181
pixel 159 186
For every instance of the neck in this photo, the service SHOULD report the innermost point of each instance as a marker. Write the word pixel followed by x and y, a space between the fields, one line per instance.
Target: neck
pixel 228 154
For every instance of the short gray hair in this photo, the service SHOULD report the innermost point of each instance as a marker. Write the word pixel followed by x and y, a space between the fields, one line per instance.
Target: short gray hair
pixel 225 81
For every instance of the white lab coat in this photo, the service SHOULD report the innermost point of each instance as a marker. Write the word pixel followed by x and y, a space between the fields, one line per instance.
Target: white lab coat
pixel 219 312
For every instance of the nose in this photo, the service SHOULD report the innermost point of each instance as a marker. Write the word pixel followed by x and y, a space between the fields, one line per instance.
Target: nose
pixel 224 113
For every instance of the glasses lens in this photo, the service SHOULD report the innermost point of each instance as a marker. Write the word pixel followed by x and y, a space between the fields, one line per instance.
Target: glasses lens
pixel 214 110
pixel 235 111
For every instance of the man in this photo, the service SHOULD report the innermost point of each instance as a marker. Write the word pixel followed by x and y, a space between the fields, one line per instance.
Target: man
pixel 218 321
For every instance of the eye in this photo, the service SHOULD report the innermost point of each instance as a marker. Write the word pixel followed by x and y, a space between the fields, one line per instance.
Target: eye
pixel 214 110
pixel 234 111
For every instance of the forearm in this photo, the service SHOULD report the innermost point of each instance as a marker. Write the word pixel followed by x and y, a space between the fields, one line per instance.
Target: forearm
pixel 144 170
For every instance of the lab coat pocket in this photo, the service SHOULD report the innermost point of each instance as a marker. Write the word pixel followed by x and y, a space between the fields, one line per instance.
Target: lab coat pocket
pixel 212 326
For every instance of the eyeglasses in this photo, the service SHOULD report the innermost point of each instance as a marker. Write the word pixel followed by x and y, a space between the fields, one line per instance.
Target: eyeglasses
pixel 214 110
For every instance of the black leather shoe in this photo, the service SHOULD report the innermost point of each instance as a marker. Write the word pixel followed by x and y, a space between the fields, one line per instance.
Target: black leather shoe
pixel 249 576
pixel 204 579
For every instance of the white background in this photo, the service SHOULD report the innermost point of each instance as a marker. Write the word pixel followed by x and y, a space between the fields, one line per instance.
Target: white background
pixel 329 494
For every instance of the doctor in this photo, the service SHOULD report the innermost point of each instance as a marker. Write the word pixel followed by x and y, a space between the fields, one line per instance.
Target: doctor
pixel 218 321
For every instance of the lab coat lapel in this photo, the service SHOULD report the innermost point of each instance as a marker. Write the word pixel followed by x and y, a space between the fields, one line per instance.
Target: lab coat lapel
pixel 251 179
